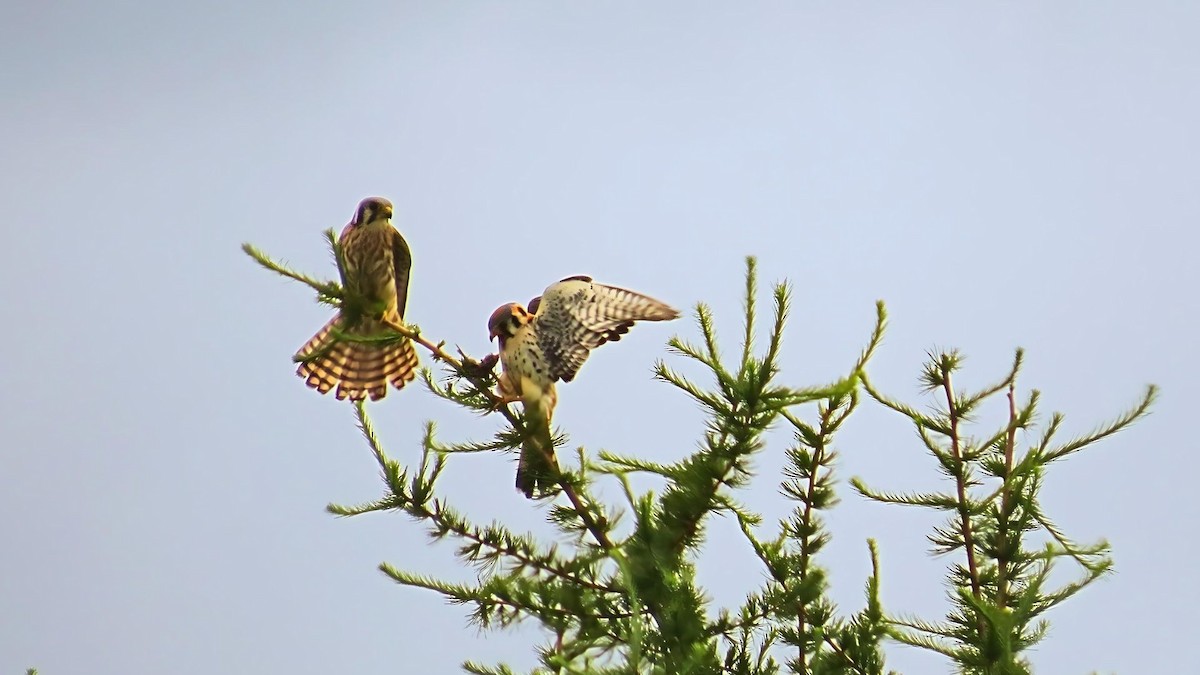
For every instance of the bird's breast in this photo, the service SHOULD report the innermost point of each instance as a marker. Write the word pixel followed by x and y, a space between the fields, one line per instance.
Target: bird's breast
pixel 522 356
pixel 370 264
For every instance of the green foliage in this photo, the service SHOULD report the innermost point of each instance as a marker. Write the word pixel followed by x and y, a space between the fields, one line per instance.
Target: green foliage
pixel 999 590
pixel 617 592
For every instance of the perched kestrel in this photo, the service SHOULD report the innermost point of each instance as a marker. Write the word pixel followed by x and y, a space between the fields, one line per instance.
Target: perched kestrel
pixel 548 342
pixel 376 263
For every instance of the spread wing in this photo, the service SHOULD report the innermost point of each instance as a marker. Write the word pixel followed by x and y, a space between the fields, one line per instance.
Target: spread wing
pixel 402 260
pixel 576 315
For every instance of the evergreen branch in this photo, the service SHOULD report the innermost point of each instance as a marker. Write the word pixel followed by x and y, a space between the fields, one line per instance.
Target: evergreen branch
pixel 1056 420
pixel 948 362
pixel 876 339
pixel 874 608
pixel 923 627
pixel 1000 587
pixel 496 541
pixel 1006 382
pixel 946 461
pixel 749 306
pixel 1053 598
pixel 715 405
pixel 501 542
pixel 1070 548
pixel 368 431
pixel 677 345
pixel 326 291
pixel 713 359
pixel 461 595
pixel 627 490
pixel 623 464
pixel 585 514
pixel 339 257
pixel 765 555
pixel 1005 438
pixel 783 301
pixel 840 652
pixel 780 398
pixel 502 441
pixel 807 493
pixel 1124 420
pixel 713 466
pixel 927 643
pixel 1006 499
pixel 935 500
pixel 385 504
pixel 479 669
pixel 925 636
pixel 917 417
pixel 472 396
pixel 631 586
pixel 414 497
pixel 456 593
pixel 750 616
pixel 726 503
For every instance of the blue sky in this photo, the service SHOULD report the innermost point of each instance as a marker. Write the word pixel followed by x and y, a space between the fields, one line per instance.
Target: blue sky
pixel 1002 175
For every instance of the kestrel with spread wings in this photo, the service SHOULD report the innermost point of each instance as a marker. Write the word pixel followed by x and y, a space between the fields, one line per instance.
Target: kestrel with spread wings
pixel 376 263
pixel 549 341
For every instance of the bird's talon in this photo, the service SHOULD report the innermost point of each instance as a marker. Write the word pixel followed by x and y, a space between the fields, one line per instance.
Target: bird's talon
pixel 502 401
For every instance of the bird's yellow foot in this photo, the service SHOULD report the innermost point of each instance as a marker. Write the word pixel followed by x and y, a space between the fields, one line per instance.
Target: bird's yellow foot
pixel 503 401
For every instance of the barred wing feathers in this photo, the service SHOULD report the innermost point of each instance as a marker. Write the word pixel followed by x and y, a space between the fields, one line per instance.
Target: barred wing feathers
pixel 576 315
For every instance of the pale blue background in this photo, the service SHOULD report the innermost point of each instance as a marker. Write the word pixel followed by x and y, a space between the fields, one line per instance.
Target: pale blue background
pixel 1001 174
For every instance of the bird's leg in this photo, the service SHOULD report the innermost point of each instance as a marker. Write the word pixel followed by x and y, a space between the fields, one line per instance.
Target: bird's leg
pixel 503 400
pixel 505 391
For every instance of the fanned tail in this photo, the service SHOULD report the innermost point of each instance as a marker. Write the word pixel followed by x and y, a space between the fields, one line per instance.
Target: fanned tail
pixel 357 369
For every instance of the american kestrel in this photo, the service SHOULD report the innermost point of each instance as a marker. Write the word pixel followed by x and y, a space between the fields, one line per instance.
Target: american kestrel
pixel 548 342
pixel 376 265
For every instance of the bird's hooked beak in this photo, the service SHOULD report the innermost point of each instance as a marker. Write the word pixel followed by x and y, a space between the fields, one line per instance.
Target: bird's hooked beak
pixel 499 319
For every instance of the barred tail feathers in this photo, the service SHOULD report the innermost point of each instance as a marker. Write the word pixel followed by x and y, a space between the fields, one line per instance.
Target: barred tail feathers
pixel 356 369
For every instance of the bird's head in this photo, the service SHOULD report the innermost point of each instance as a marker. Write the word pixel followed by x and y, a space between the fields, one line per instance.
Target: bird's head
pixel 372 209
pixel 506 321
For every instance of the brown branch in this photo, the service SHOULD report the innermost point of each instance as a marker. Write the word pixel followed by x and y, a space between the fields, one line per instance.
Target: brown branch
pixel 846 657
pixel 1006 498
pixel 960 479
pixel 438 352
pixel 515 553
pixel 817 460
